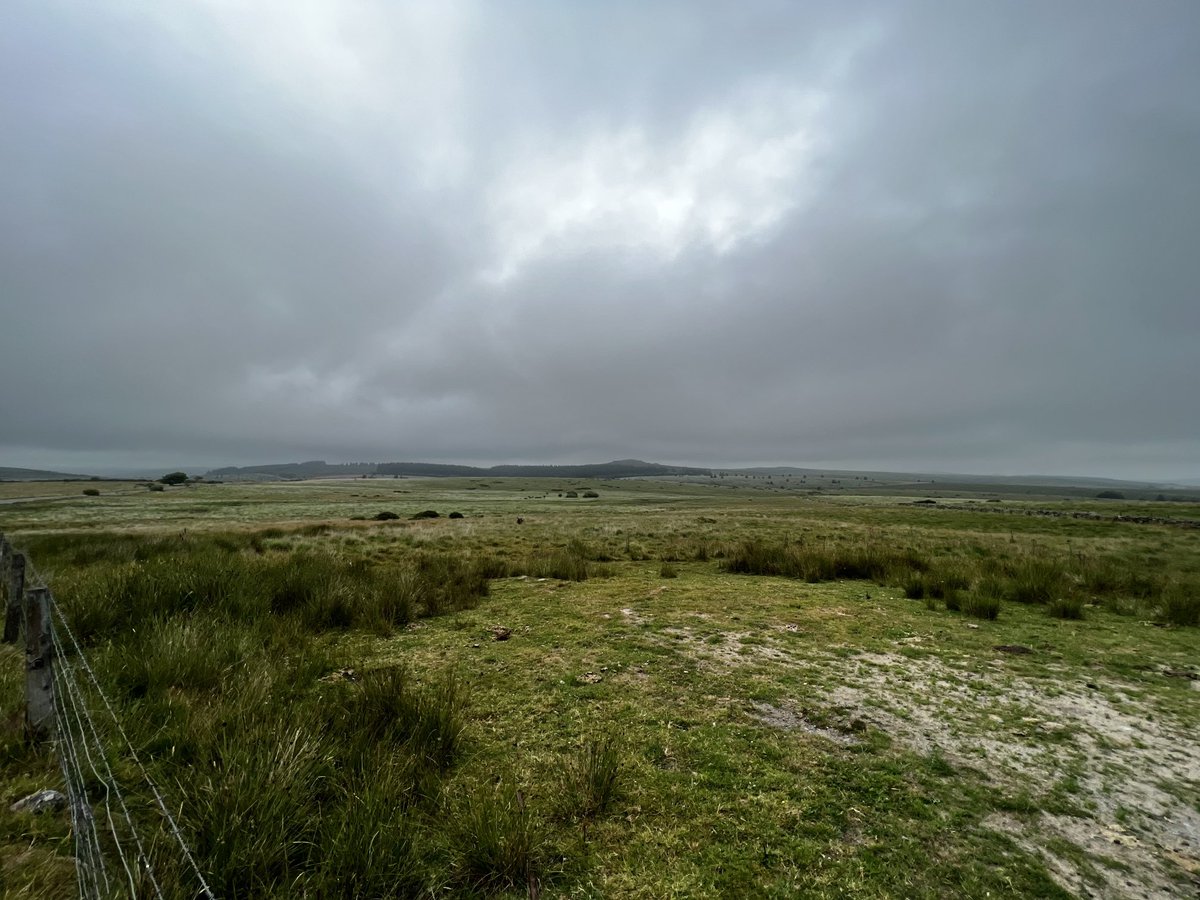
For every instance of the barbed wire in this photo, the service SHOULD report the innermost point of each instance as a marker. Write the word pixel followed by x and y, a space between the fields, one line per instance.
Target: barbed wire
pixel 92 874
pixel 87 863
pixel 81 713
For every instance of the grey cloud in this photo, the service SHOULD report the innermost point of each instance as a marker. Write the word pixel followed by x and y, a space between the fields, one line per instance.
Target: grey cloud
pixel 918 236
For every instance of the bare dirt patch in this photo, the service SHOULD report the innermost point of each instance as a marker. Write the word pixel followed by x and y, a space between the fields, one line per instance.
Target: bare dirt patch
pixel 1121 777
pixel 1131 777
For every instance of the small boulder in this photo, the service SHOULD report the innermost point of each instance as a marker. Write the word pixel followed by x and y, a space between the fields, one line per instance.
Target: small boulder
pixel 40 802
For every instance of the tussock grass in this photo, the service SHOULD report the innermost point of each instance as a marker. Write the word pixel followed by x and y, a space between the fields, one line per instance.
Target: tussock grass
pixel 824 562
pixel 498 843
pixel 1067 607
pixel 1181 603
pixel 1036 580
pixel 981 606
pixel 569 563
pixel 388 708
pixel 593 777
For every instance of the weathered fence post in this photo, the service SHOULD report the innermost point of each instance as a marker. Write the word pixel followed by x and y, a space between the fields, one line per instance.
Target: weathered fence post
pixel 39 667
pixel 16 595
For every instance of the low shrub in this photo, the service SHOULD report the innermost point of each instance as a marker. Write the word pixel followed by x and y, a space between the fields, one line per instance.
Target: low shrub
pixel 590 495
pixel 668 571
pixel 455 515
pixel 91 492
pixel 426 514
pixel 385 516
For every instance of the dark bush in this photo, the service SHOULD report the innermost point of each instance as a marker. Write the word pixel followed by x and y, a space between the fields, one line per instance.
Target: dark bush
pixel 385 516
pixel 174 478
pixel 590 494
pixel 456 515
pixel 91 492
pixel 1110 495
pixel 427 514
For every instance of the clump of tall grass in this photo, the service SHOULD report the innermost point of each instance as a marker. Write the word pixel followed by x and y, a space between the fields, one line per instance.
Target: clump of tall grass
pixel 451 583
pixel 387 707
pixel 593 777
pixel 824 562
pixel 320 589
pixel 1067 606
pixel 183 654
pixel 373 843
pixel 250 808
pixel 497 841
pixel 1036 580
pixel 1181 603
pixel 952 598
pixel 569 563
pixel 981 605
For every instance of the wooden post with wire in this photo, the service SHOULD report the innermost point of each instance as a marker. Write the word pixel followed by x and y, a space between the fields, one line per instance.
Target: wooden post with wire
pixel 16 596
pixel 39 667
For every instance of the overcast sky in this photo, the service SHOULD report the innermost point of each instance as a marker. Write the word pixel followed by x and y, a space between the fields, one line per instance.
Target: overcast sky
pixel 933 236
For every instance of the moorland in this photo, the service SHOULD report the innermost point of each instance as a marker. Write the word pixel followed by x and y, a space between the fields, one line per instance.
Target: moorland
pixel 640 687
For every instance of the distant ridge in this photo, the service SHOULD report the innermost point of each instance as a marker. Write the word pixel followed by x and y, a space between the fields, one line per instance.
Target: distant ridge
pixel 316 468
pixel 621 468
pixel 12 474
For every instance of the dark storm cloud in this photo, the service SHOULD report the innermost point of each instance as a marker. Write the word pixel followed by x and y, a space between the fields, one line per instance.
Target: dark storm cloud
pixel 951 236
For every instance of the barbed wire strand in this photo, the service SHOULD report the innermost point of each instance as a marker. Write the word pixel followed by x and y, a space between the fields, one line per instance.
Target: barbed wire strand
pixel 106 802
pixel 89 857
pixel 73 778
pixel 39 581
pixel 178 835
pixel 93 854
pixel 78 702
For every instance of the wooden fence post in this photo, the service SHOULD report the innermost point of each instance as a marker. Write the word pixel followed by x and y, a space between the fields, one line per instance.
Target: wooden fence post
pixel 39 667
pixel 16 596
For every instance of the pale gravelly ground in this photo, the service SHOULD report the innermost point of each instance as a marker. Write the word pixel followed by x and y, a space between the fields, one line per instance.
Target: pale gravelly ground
pixel 1126 772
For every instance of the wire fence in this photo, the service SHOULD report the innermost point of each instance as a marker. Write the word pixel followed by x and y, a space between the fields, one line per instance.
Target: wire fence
pixel 127 842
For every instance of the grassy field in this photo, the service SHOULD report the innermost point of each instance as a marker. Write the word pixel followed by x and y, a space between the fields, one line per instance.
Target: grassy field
pixel 667 690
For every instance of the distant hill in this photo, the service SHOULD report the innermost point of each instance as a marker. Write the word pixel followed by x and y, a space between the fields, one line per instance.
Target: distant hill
pixel 316 468
pixel 1058 481
pixel 10 474
pixel 621 468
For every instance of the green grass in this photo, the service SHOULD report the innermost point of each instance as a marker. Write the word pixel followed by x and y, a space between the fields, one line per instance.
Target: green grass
pixel 795 710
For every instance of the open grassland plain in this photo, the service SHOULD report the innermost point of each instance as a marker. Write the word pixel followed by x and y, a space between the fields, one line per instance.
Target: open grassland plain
pixel 663 690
